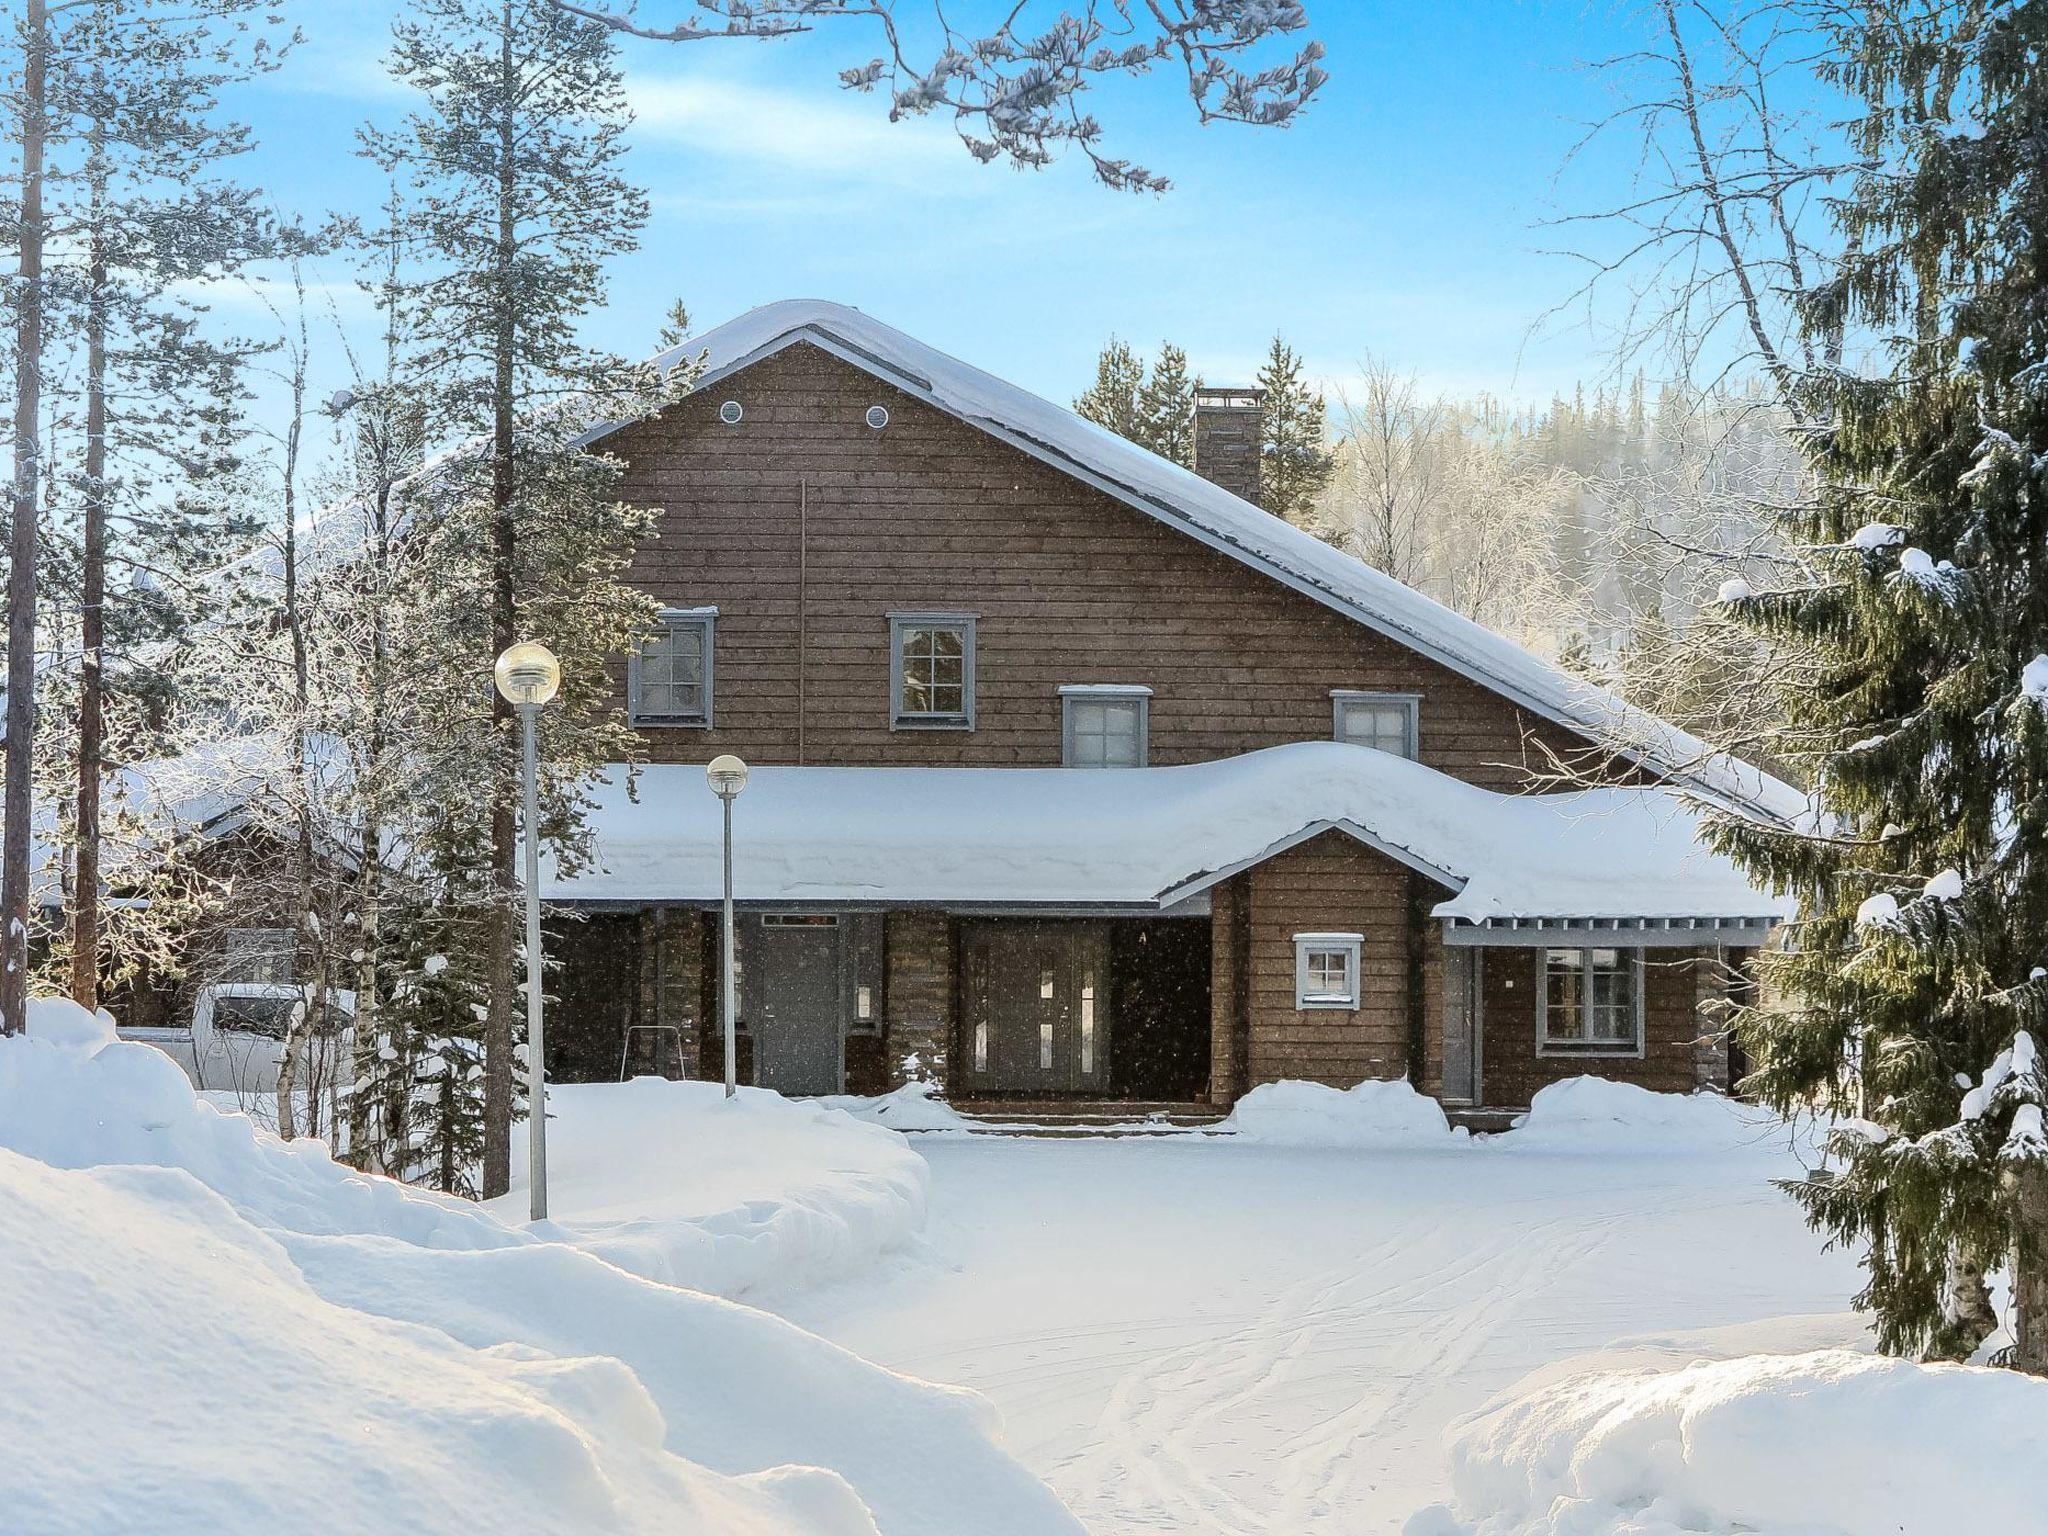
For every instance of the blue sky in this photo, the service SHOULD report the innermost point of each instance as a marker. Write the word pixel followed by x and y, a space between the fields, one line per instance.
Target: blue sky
pixel 1402 216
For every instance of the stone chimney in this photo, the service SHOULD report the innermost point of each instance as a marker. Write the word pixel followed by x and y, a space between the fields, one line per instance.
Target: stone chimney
pixel 1229 430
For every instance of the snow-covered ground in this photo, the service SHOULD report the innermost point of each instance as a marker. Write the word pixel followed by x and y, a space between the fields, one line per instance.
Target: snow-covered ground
pixel 1217 1335
pixel 210 1330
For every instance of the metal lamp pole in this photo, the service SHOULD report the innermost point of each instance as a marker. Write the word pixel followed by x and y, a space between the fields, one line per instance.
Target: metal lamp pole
pixel 728 776
pixel 528 676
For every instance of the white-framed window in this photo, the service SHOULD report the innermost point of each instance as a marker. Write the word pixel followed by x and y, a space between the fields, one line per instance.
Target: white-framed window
pixel 931 671
pixel 1326 969
pixel 1383 721
pixel 668 680
pixel 1105 725
pixel 268 955
pixel 1590 1002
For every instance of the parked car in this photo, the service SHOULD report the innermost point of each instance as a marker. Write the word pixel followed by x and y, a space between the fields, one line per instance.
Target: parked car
pixel 234 1042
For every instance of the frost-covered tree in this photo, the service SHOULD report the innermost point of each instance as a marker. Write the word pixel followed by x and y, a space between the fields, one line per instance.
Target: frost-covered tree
pixel 1295 462
pixel 1014 92
pixel 1914 978
pixel 114 114
pixel 511 171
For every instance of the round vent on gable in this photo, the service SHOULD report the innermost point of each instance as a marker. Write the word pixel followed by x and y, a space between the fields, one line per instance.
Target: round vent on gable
pixel 878 416
pixel 730 413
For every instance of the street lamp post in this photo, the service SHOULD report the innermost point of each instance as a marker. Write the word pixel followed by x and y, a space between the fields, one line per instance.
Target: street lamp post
pixel 728 776
pixel 528 676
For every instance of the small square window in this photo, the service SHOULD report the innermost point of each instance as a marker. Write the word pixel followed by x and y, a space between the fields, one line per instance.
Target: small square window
pixel 1592 1002
pixel 1104 726
pixel 668 680
pixel 1383 721
pixel 1326 969
pixel 931 666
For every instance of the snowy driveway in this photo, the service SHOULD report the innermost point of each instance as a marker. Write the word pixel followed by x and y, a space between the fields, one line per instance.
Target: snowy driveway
pixel 1200 1335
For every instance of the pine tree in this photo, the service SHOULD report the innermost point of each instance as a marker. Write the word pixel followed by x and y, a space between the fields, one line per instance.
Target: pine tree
pixel 1166 408
pixel 1112 400
pixel 512 167
pixel 1296 462
pixel 1914 973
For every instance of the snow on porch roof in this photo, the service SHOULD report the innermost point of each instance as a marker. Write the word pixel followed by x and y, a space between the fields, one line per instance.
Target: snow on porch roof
pixel 1145 838
pixel 1234 526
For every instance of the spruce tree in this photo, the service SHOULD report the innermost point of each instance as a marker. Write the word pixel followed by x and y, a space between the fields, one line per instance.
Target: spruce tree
pixel 512 169
pixel 1295 463
pixel 1166 408
pixel 1913 978
pixel 1112 400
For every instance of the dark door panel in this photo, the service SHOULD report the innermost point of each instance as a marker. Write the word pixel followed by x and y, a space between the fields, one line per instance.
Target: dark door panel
pixel 1035 1004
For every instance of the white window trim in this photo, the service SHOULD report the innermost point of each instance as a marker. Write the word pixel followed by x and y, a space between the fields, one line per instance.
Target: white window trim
pixel 899 720
pixel 1130 693
pixel 1581 1049
pixel 704 619
pixel 1350 944
pixel 1410 704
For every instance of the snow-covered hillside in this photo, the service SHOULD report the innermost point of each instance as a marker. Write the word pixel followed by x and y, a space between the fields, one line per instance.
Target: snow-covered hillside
pixel 211 1330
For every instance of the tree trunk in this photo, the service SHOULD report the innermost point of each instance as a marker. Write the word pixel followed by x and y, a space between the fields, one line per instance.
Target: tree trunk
pixel 2030 1268
pixel 1968 1318
pixel 498 1090
pixel 85 893
pixel 15 811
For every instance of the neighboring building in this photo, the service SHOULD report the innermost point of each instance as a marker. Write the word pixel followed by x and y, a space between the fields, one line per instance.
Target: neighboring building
pixel 1079 777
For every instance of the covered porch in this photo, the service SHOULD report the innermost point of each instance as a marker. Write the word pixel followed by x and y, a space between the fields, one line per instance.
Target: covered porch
pixel 1168 937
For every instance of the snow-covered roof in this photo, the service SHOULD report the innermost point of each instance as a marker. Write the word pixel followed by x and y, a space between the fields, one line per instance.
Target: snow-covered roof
pixel 1228 523
pixel 1148 838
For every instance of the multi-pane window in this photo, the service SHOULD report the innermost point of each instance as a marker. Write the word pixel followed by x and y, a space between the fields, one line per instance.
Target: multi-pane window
pixel 1383 721
pixel 932 670
pixel 256 955
pixel 1105 726
pixel 1592 1000
pixel 669 681
pixel 1326 970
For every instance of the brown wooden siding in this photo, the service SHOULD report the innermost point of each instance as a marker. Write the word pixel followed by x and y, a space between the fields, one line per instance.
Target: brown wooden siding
pixel 806 528
pixel 1329 884
pixel 1514 1071
pixel 920 993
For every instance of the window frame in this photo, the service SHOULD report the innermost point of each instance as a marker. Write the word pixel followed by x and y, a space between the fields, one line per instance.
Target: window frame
pixel 906 720
pixel 1635 957
pixel 1136 695
pixel 1410 705
pixel 668 621
pixel 1351 946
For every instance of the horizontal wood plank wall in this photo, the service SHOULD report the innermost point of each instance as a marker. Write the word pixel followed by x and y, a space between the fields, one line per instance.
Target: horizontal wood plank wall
pixel 919 996
pixel 1330 884
pixel 1671 1025
pixel 1070 585
pixel 1229 989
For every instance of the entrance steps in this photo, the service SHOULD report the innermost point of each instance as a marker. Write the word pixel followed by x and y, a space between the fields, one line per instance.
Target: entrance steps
pixel 1085 1117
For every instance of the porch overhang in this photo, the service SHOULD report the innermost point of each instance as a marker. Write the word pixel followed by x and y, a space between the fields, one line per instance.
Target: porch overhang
pixel 1153 841
pixel 1629 932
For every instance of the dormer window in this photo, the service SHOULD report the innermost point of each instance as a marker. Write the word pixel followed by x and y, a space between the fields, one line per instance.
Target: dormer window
pixel 1104 725
pixel 1383 721
pixel 668 681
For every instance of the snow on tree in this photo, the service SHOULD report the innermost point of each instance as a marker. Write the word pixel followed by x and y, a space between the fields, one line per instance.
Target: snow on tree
pixel 1014 92
pixel 1295 462
pixel 510 169
pixel 1913 979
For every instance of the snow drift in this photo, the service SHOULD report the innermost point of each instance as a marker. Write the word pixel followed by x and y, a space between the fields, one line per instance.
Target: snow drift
pixel 1594 1114
pixel 1374 1113
pixel 1826 1444
pixel 211 1329
pixel 675 1182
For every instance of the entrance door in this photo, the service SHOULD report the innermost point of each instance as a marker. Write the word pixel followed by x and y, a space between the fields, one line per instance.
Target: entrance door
pixel 793 1003
pixel 1036 1012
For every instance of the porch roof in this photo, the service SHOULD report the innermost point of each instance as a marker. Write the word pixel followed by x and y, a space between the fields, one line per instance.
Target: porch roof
pixel 1144 839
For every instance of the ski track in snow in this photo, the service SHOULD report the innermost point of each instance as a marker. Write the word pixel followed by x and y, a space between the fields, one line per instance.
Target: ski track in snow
pixel 1191 1336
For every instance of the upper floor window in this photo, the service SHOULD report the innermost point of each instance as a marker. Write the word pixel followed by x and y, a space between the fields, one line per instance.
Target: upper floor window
pixel 668 681
pixel 1104 725
pixel 931 671
pixel 1383 721
pixel 1592 1001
